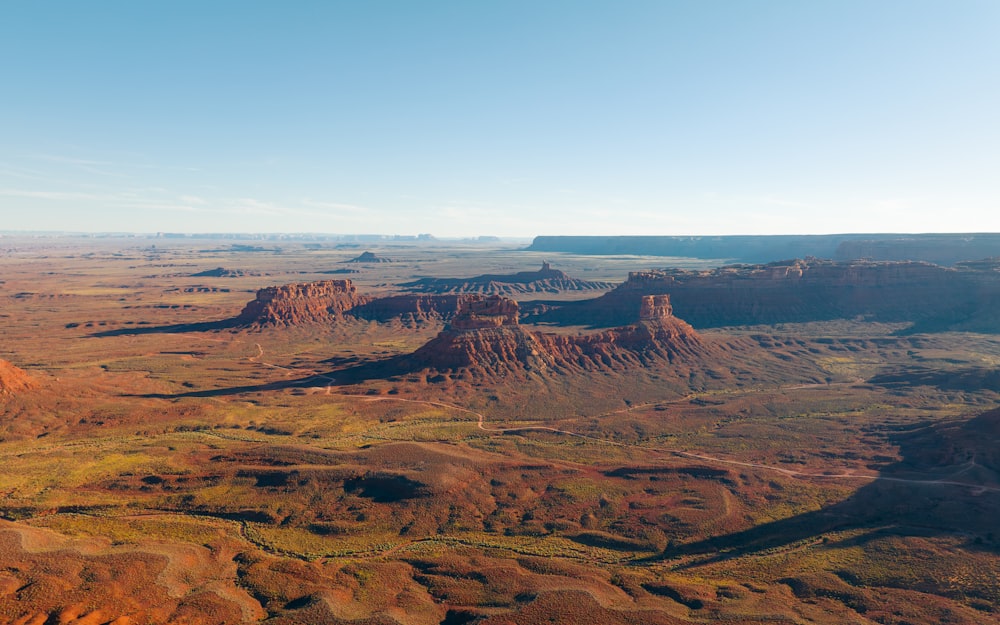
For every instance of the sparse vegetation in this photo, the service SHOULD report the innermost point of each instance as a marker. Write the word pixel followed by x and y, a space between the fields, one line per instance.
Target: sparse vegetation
pixel 228 474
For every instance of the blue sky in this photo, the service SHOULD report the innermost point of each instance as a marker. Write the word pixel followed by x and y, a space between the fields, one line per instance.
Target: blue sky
pixel 512 118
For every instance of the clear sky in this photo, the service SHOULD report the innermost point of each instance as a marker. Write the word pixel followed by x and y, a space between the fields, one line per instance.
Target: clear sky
pixel 506 117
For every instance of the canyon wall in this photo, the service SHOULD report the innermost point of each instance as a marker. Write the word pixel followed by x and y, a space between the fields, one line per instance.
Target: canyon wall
pixel 930 296
pixel 937 248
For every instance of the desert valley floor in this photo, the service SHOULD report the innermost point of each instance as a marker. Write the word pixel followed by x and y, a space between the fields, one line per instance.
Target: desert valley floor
pixel 217 431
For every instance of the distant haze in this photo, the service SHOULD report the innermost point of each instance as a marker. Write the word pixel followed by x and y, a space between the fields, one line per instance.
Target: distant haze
pixel 510 118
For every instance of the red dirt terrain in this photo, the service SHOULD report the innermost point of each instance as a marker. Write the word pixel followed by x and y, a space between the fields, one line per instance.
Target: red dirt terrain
pixel 350 454
pixel 12 379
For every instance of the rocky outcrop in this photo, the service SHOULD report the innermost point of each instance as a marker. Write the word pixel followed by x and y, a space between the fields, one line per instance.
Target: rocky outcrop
pixel 545 280
pixel 293 304
pixel 486 340
pixel 655 308
pixel 329 301
pixel 409 309
pixel 929 296
pixel 340 272
pixel 222 272
pixel 13 380
pixel 369 257
pixel 477 312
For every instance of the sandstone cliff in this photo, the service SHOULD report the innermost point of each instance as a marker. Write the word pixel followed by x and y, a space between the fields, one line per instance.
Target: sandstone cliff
pixel 929 296
pixel 293 304
pixel 486 340
pixel 936 248
pixel 12 379
pixel 328 301
pixel 408 309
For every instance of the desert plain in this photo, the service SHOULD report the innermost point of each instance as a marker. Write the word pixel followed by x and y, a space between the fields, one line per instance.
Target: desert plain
pixel 216 431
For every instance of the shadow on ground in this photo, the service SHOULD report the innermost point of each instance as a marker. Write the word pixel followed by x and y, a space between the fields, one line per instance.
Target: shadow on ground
pixel 179 328
pixel 947 483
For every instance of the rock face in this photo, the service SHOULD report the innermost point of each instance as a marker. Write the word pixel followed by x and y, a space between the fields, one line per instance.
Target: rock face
pixel 328 301
pixel 293 304
pixel 931 297
pixel 475 313
pixel 936 248
pixel 545 280
pixel 486 340
pixel 655 308
pixel 941 249
pixel 408 309
pixel 12 379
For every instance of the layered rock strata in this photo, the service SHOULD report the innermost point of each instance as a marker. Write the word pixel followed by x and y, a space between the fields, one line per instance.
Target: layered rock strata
pixel 486 339
pixel 293 304
pixel 408 309
pixel 930 296
pixel 328 301
pixel 545 280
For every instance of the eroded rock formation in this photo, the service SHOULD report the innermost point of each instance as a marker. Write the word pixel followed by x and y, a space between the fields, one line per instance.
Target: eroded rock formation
pixel 478 312
pixel 545 280
pixel 293 304
pixel 408 309
pixel 328 301
pixel 222 272
pixel 929 296
pixel 944 249
pixel 655 308
pixel 369 257
pixel 485 339
pixel 12 379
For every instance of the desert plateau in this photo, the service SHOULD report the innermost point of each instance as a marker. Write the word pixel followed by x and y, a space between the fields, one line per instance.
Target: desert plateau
pixel 443 433
pixel 500 313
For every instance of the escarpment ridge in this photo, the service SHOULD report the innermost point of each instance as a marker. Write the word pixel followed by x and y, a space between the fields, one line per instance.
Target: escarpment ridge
pixel 946 249
pixel 929 296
